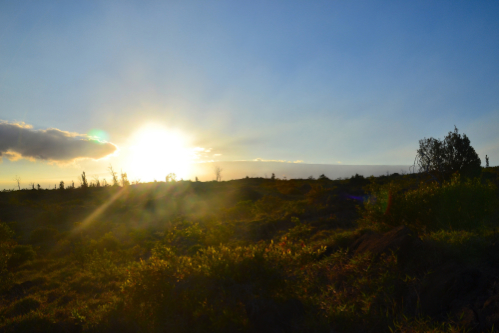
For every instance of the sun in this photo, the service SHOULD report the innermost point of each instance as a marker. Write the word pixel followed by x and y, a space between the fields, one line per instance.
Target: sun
pixel 157 151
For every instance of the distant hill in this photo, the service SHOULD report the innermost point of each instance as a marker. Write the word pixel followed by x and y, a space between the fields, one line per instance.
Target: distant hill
pixel 241 169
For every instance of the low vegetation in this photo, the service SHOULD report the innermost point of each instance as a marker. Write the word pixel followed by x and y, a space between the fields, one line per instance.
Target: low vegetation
pixel 253 255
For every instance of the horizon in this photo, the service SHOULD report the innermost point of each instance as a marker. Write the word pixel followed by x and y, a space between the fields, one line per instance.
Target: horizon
pixel 231 170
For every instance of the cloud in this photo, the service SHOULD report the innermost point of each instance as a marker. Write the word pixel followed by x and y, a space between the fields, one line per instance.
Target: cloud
pixel 19 140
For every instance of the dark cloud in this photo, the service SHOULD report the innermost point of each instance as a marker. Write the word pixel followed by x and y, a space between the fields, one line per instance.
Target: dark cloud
pixel 18 140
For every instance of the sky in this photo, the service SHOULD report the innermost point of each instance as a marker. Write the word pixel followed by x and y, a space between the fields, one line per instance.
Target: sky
pixel 151 87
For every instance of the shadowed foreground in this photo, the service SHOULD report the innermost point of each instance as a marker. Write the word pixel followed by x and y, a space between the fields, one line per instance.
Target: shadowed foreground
pixel 393 253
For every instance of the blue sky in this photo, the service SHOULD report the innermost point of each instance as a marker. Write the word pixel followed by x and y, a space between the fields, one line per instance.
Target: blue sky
pixel 324 82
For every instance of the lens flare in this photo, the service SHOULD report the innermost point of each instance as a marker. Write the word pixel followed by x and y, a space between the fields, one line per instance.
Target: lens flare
pixel 99 135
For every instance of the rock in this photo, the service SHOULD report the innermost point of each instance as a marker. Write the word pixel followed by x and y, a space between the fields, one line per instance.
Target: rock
pixel 400 239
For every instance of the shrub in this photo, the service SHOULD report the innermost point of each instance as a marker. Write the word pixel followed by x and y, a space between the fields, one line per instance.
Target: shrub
pixel 6 232
pixel 208 291
pixel 44 235
pixel 20 255
pixel 106 242
pixel 455 204
pixel 23 306
pixel 6 249
pixel 268 206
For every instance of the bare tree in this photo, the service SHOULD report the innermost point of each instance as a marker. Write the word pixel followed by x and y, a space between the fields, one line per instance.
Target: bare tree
pixel 218 173
pixel 18 180
pixel 83 181
pixel 114 175
pixel 32 185
pixel 96 181
pixel 124 179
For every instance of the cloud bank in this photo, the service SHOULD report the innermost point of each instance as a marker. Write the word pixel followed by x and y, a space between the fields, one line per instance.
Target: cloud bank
pixel 18 140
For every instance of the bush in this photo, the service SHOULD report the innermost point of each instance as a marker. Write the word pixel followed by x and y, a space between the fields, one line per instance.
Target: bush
pixel 454 205
pixel 6 249
pixel 20 255
pixel 6 232
pixel 44 235
pixel 23 306
pixel 209 291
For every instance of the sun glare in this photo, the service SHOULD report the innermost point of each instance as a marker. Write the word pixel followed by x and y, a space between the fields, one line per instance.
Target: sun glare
pixel 157 152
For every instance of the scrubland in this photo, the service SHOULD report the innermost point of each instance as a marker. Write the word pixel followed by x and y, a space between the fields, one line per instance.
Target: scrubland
pixel 397 253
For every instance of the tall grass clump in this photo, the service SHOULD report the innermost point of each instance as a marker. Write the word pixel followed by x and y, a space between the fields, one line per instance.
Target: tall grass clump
pixel 455 204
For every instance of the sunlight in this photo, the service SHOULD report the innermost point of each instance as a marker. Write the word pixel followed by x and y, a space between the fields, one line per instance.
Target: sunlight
pixel 157 151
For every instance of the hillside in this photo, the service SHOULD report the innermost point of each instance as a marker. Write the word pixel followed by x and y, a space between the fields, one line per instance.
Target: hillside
pixel 391 253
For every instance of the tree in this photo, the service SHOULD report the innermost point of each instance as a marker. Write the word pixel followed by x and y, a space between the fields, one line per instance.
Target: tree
pixel 61 185
pixel 18 180
pixel 486 161
pixel 83 181
pixel 218 173
pixel 124 179
pixel 442 158
pixel 171 178
pixel 323 177
pixel 114 175
pixel 96 181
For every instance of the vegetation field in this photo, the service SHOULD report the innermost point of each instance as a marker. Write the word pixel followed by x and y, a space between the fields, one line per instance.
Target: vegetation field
pixel 398 253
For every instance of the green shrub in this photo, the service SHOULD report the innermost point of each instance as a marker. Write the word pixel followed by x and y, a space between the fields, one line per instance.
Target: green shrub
pixel 20 255
pixel 6 232
pixel 353 292
pixel 268 206
pixel 107 242
pixel 23 306
pixel 455 204
pixel 7 245
pixel 44 235
pixel 241 211
pixel 208 291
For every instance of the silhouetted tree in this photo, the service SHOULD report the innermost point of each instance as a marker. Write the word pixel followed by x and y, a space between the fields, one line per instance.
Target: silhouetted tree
pixel 486 161
pixel 273 176
pixel 61 185
pixel 114 175
pixel 171 178
pixel 323 177
pixel 218 173
pixel 39 187
pixel 124 179
pixel 18 180
pixel 443 158
pixel 96 181
pixel 84 182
